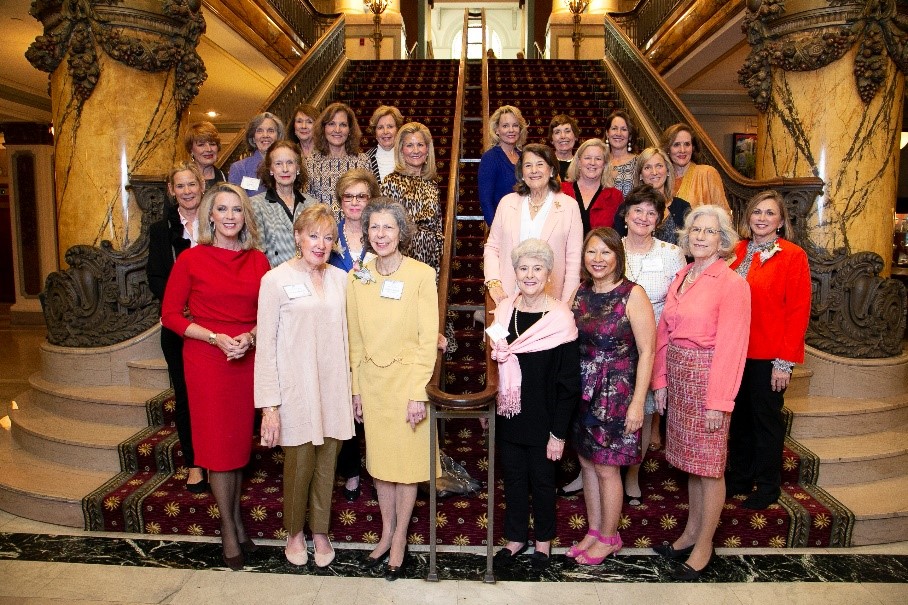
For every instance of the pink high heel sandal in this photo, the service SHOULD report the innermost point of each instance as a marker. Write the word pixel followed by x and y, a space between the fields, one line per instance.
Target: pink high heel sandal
pixel 573 551
pixel 585 559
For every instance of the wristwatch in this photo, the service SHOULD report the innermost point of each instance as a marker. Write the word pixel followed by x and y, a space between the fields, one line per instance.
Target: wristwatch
pixel 212 338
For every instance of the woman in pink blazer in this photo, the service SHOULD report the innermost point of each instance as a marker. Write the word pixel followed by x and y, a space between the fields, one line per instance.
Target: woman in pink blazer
pixel 539 210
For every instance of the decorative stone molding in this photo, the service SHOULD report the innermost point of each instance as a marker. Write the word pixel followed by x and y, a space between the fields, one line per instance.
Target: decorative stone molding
pixel 822 32
pixel 127 32
pixel 103 298
pixel 854 312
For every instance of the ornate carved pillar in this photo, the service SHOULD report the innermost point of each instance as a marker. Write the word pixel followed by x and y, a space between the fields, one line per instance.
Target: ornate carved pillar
pixel 123 72
pixel 828 77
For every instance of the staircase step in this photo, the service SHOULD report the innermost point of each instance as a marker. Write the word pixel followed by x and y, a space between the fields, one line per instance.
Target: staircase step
pixel 868 457
pixel 88 444
pixel 116 404
pixel 36 488
pixel 799 386
pixel 149 374
pixel 816 416
pixel 880 509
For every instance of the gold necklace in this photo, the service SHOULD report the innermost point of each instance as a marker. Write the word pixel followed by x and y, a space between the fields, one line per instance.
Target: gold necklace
pixel 642 260
pixel 399 263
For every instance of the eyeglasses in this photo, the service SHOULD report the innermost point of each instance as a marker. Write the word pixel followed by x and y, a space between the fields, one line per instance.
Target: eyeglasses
pixel 360 197
pixel 707 231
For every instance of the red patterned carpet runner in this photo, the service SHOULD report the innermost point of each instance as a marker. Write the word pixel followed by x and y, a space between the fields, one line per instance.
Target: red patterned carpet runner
pixel 150 497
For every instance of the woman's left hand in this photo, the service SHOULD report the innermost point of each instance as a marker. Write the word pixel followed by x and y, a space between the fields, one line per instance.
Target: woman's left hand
pixel 714 420
pixel 244 343
pixel 634 419
pixel 416 412
pixel 779 380
pixel 554 449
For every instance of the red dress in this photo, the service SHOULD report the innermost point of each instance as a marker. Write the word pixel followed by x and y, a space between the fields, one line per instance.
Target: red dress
pixel 221 289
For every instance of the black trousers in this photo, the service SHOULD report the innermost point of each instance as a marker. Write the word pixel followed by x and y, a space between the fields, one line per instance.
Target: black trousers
pixel 349 460
pixel 172 346
pixel 525 470
pixel 757 432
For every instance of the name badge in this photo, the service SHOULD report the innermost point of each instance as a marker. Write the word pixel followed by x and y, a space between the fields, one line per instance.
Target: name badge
pixel 392 288
pixel 497 332
pixel 297 291
pixel 652 264
pixel 250 183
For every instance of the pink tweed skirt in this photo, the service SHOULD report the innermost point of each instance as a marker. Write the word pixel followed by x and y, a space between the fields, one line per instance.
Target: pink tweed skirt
pixel 689 446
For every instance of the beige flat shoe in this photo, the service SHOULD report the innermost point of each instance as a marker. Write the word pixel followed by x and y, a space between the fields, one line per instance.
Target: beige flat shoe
pixel 298 558
pixel 323 559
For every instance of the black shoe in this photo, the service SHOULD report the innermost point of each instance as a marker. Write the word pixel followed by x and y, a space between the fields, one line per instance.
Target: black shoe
pixel 632 500
pixel 199 488
pixel 505 558
pixel 352 495
pixel 248 547
pixel 372 562
pixel 686 573
pixel 392 572
pixel 539 561
pixel 668 551
pixel 758 501
pixel 235 562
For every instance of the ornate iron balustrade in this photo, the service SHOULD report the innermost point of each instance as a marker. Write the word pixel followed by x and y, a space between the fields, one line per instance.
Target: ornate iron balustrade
pixel 308 23
pixel 854 312
pixel 103 298
pixel 300 84
pixel 643 21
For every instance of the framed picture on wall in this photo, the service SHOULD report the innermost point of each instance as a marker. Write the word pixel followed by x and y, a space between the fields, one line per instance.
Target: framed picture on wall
pixel 743 153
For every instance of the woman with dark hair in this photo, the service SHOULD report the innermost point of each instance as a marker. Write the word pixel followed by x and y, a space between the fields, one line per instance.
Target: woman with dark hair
pixel 262 130
pixel 496 178
pixel 218 282
pixel 537 209
pixel 337 138
pixel 303 391
pixel 590 184
pixel 385 122
pixel 621 135
pixel 538 387
pixel 392 313
pixel 701 342
pixel 617 341
pixel 654 170
pixel 285 177
pixel 563 134
pixel 694 183
pixel 779 277
pixel 203 144
pixel 168 238
pixel 303 127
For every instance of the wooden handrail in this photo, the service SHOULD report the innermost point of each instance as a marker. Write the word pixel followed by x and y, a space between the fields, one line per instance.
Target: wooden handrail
pixel 434 389
pixel 298 84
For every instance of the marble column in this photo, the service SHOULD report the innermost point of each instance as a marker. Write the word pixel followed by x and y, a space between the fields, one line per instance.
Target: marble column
pixel 122 76
pixel 829 82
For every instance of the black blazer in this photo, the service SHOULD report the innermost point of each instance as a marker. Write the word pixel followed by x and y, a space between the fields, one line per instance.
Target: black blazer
pixel 166 242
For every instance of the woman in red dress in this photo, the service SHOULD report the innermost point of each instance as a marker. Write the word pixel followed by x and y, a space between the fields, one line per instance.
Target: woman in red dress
pixel 212 300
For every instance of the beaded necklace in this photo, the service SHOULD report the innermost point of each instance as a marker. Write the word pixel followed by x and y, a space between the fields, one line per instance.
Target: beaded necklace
pixel 545 309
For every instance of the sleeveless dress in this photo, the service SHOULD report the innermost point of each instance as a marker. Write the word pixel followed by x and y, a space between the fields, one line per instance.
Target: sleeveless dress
pixel 608 369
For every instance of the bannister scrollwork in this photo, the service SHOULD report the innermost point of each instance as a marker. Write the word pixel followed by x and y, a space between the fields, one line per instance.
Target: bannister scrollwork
pixel 103 298
pixel 855 313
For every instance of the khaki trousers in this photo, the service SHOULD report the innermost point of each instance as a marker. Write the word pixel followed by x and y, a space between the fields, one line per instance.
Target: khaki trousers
pixel 308 483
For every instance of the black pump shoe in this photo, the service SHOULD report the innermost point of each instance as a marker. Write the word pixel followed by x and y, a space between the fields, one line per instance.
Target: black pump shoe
pixel 668 551
pixel 392 572
pixel 505 558
pixel 372 562
pixel 686 573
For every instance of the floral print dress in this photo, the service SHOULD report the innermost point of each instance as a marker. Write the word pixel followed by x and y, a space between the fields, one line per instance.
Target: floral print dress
pixel 608 369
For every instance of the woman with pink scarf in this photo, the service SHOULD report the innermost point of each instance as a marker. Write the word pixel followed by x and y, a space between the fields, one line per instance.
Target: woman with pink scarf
pixel 534 341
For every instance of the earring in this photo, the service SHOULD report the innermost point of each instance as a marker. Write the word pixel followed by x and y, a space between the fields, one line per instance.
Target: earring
pixel 778 230
pixel 299 251
pixel 297 173
pixel 271 173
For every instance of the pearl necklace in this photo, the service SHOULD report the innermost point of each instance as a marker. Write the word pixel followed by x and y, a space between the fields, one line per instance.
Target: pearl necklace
pixel 545 309
pixel 642 260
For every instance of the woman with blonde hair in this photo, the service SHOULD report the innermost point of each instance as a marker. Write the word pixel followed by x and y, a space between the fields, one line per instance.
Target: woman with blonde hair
pixel 202 142
pixel 498 165
pixel 385 122
pixel 590 183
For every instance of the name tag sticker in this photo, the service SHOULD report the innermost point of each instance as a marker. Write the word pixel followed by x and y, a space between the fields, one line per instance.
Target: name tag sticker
pixel 497 332
pixel 297 291
pixel 392 288
pixel 250 183
pixel 652 264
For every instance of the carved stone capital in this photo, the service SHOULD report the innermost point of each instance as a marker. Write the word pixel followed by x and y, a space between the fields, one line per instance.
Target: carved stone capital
pixel 143 34
pixel 810 34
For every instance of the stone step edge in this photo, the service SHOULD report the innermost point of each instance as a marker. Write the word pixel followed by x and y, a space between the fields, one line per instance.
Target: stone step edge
pixel 34 421
pixel 110 395
pixel 899 434
pixel 881 404
pixel 157 363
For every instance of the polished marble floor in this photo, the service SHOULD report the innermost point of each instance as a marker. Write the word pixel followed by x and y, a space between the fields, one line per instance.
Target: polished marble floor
pixel 41 563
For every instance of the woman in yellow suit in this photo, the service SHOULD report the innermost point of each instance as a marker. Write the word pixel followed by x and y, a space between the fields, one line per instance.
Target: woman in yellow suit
pixel 392 311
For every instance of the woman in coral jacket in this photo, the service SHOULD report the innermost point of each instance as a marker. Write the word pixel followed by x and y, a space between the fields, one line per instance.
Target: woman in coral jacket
pixel 779 279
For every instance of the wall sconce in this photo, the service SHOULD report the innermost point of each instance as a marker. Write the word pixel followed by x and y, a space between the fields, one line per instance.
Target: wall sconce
pixel 376 7
pixel 577 7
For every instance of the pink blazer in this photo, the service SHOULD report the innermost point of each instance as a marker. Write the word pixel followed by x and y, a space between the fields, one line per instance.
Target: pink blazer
pixel 563 230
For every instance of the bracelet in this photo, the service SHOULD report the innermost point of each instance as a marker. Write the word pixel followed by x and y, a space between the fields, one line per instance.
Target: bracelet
pixel 556 438
pixel 251 340
pixel 493 283
pixel 782 365
pixel 269 409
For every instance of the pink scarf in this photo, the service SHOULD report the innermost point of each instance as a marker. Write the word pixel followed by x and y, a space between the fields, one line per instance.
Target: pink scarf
pixel 554 328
